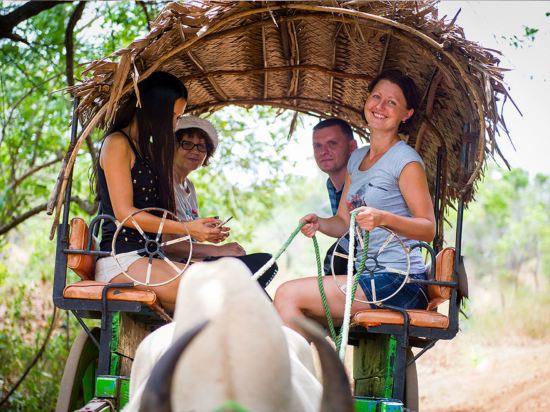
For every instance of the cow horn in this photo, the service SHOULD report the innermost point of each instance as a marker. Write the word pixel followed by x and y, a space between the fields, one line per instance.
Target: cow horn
pixel 336 387
pixel 156 395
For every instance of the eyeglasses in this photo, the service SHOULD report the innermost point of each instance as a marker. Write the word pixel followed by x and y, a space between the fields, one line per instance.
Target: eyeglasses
pixel 187 145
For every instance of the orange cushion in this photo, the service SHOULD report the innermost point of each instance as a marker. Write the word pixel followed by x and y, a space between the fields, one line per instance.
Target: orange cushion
pixel 82 265
pixel 418 317
pixel 444 268
pixel 91 290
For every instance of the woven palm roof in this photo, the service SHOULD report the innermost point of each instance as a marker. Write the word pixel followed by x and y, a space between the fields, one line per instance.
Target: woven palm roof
pixel 318 58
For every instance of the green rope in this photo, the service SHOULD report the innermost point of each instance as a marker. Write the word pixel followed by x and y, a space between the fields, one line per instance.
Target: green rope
pixel 330 322
pixel 288 241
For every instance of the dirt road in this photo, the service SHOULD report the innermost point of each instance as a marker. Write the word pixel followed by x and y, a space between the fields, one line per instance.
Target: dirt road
pixel 464 375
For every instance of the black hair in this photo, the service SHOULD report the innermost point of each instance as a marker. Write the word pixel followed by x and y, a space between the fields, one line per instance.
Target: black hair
pixel 407 86
pixel 334 121
pixel 156 141
pixel 201 134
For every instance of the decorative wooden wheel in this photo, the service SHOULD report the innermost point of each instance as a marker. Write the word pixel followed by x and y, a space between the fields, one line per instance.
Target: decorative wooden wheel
pixel 153 247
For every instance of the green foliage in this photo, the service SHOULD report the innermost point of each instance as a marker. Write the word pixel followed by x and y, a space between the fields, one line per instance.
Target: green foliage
pixel 525 312
pixel 25 320
pixel 245 178
pixel 35 110
pixel 508 227
pixel 26 268
pixel 526 38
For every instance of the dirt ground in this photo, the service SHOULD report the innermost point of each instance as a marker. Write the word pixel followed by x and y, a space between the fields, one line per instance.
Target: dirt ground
pixel 467 375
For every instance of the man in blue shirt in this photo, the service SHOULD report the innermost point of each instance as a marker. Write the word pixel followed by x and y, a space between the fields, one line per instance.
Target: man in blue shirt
pixel 333 143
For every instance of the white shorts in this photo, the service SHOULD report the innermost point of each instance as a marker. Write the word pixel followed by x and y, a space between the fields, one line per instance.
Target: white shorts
pixel 107 268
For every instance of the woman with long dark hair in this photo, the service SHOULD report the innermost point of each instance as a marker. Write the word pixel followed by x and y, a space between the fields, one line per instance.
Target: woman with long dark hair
pixel 135 172
pixel 387 184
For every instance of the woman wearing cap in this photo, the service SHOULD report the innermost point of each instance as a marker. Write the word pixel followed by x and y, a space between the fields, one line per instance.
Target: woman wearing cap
pixel 197 141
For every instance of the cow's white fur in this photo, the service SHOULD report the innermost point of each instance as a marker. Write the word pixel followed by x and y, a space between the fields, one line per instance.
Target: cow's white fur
pixel 244 354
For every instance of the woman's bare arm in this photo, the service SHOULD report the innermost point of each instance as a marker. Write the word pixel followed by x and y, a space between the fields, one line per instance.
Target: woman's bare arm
pixel 116 160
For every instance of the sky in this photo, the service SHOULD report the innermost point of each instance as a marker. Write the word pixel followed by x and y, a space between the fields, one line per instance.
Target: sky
pixel 529 79
pixel 487 22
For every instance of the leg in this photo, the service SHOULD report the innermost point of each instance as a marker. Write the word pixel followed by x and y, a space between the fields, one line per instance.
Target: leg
pixel 160 272
pixel 301 297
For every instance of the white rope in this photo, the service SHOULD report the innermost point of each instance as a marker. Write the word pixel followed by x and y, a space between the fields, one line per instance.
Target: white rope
pixel 263 269
pixel 349 286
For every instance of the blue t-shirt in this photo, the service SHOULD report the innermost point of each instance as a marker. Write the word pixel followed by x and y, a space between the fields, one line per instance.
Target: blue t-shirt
pixel 378 187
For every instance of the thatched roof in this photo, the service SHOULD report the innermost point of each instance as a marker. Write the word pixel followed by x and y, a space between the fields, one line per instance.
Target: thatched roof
pixel 318 58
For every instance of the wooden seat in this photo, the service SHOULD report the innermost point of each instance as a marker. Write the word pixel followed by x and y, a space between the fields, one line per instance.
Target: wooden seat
pixel 417 317
pixel 92 290
pixel 428 318
pixel 88 288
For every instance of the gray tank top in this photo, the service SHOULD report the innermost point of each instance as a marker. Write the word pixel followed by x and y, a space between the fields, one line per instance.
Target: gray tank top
pixel 378 187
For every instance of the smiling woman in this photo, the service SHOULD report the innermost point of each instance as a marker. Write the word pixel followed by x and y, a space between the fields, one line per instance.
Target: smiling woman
pixel 387 184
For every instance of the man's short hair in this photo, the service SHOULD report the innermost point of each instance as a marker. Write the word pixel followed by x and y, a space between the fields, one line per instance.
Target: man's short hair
pixel 334 121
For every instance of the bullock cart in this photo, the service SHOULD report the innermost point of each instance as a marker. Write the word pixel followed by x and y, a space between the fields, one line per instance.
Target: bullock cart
pixel 315 58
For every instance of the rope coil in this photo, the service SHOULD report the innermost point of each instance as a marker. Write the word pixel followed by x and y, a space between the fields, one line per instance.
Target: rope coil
pixel 351 284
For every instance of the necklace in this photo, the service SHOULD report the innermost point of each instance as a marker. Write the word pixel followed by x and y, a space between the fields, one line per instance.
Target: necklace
pixel 186 203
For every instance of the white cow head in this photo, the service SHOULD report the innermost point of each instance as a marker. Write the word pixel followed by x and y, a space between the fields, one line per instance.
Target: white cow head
pixel 229 345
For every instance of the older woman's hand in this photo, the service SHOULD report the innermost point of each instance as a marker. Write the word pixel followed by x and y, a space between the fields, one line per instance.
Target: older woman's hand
pixel 369 218
pixel 311 225
pixel 206 229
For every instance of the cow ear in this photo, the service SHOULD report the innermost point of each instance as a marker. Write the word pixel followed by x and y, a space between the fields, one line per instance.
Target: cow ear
pixel 336 387
pixel 156 395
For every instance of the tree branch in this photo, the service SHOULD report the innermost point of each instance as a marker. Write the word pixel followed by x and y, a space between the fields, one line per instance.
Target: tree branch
pixel 38 137
pixel 88 207
pixel 21 218
pixel 30 9
pixel 18 102
pixel 16 182
pixel 147 18
pixel 16 37
pixel 69 63
pixel 69 42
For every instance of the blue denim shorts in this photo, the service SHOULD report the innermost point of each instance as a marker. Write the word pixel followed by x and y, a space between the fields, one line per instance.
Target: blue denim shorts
pixel 411 296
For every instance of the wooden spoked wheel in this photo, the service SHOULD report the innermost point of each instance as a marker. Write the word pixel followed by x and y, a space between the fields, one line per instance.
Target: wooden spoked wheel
pixel 153 246
pixel 372 264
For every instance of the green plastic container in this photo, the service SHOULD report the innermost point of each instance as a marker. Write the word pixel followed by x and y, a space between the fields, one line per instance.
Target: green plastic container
pixel 364 404
pixel 370 404
pixel 391 406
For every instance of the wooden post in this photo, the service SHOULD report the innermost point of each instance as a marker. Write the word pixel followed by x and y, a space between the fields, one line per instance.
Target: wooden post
pixel 373 364
pixel 131 333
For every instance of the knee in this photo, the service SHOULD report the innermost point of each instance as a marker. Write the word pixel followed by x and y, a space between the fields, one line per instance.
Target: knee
pixel 285 297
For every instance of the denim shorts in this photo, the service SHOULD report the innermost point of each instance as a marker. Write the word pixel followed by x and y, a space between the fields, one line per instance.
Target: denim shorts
pixel 411 296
